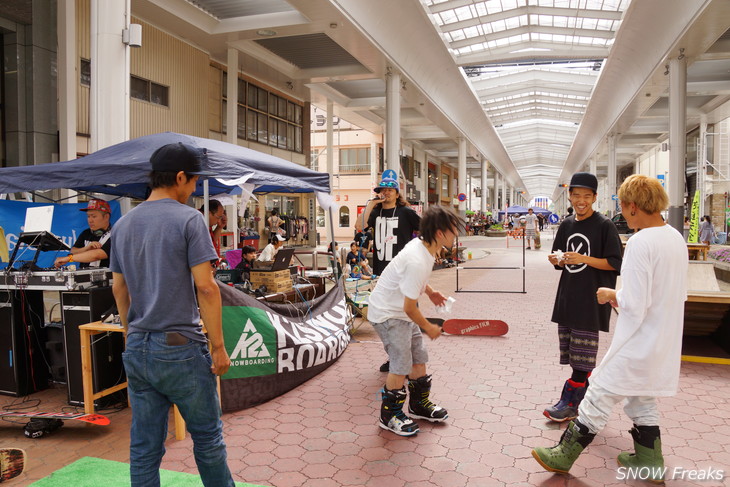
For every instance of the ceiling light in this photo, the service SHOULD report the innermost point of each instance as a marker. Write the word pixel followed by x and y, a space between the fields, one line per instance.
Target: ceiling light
pixel 266 32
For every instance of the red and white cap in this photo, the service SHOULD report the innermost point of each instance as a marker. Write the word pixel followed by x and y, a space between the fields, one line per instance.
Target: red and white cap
pixel 99 205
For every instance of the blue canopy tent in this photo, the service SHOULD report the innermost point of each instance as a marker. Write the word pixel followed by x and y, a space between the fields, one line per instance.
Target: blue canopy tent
pixel 511 210
pixel 540 211
pixel 123 169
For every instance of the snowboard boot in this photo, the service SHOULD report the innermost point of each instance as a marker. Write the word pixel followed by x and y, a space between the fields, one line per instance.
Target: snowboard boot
pixel 561 457
pixel 566 408
pixel 392 417
pixel 419 406
pixel 648 453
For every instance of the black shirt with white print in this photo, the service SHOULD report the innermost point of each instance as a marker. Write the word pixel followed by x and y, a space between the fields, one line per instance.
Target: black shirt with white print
pixel 575 303
pixel 86 237
pixel 392 228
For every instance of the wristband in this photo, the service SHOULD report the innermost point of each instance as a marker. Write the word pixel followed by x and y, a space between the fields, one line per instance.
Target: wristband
pixel 70 258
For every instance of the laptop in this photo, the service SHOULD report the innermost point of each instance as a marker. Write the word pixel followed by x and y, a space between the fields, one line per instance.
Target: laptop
pixel 281 261
pixel 37 230
pixel 38 219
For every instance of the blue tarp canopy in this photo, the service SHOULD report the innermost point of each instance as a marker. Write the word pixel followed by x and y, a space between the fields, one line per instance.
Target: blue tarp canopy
pixel 540 211
pixel 511 210
pixel 123 169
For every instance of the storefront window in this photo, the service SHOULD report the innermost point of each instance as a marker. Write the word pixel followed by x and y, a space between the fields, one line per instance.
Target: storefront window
pixel 320 216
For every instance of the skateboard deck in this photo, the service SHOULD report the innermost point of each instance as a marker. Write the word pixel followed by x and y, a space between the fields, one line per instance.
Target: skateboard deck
pixel 99 419
pixel 475 327
pixel 12 463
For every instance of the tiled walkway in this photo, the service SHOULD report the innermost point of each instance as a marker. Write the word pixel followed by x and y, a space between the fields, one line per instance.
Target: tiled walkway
pixel 324 433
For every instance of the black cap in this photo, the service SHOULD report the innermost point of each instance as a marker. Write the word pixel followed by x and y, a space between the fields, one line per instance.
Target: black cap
pixel 584 180
pixel 180 157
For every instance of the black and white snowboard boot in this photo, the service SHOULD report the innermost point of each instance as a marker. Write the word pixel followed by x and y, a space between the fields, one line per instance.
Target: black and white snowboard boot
pixel 419 405
pixel 392 417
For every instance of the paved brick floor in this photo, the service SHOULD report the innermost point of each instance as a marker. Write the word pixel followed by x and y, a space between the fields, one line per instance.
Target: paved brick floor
pixel 324 433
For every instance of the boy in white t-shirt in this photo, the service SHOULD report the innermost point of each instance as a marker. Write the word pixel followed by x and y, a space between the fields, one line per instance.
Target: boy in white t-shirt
pixel 393 311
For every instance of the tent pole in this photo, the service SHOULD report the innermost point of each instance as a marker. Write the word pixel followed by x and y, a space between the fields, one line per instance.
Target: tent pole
pixel 331 247
pixel 206 200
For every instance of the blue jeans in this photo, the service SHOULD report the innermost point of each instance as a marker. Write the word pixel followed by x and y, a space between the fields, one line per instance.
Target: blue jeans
pixel 160 375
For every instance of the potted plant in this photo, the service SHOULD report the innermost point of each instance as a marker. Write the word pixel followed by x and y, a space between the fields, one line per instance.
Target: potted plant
pixel 496 230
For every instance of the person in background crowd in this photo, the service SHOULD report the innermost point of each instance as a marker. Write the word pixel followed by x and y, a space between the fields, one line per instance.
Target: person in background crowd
pixel 275 243
pixel 359 268
pixel 93 248
pixel 395 316
pixel 707 232
pixel 334 249
pixel 394 224
pixel 530 227
pixel 217 219
pixel 248 256
pixel 275 222
pixel 589 258
pixel 162 274
pixel 643 360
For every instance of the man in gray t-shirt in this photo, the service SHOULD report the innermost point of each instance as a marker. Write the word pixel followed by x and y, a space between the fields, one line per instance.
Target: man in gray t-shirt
pixel 161 264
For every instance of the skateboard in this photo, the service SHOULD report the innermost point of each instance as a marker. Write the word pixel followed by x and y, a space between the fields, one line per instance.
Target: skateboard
pixel 475 327
pixel 12 463
pixel 471 327
pixel 42 423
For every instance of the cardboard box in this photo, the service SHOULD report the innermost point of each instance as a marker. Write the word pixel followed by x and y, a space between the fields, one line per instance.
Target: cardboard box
pixel 278 287
pixel 265 277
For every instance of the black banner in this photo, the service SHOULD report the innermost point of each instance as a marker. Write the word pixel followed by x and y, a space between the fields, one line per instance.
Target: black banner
pixel 274 347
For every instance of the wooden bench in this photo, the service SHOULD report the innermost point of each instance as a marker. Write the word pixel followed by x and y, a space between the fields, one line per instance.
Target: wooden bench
pixel 697 250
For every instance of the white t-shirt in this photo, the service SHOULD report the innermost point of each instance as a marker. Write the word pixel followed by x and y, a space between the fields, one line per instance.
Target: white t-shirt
pixel 645 353
pixel 268 253
pixel 531 221
pixel 406 276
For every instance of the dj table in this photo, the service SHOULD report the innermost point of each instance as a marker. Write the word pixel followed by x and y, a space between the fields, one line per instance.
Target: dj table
pixel 54 280
pixel 33 351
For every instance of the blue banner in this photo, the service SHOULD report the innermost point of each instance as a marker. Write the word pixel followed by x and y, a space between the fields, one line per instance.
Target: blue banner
pixel 68 223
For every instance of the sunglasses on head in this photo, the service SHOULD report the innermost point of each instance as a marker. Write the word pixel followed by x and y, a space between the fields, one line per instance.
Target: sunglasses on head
pixel 388 184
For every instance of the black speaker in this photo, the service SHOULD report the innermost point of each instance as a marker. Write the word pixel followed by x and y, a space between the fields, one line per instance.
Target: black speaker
pixel 23 368
pixel 79 308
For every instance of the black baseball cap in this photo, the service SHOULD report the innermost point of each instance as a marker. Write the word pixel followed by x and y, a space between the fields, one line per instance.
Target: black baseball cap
pixel 180 157
pixel 584 180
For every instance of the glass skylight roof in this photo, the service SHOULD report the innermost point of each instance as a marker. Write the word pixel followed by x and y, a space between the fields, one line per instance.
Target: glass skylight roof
pixel 531 62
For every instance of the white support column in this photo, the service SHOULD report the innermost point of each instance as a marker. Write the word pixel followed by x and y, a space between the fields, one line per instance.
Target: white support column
pixel 67 81
pixel 373 164
pixel 677 140
pixel 701 163
pixel 330 165
pixel 232 93
pixel 504 191
pixel 511 196
pixel 484 185
pixel 109 93
pixel 495 193
pixel 392 120
pixel 462 176
pixel 592 165
pixel 611 174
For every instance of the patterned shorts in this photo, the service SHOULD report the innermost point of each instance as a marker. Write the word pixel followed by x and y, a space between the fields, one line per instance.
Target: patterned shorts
pixel 578 348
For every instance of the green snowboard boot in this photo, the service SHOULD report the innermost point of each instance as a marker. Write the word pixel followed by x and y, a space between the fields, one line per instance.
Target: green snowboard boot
pixel 561 457
pixel 648 453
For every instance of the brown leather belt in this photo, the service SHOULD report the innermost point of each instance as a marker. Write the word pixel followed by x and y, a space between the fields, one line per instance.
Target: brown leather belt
pixel 176 339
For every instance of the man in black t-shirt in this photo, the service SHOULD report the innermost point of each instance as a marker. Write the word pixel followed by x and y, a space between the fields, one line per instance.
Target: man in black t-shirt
pixel 394 223
pixel 94 246
pixel 587 250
